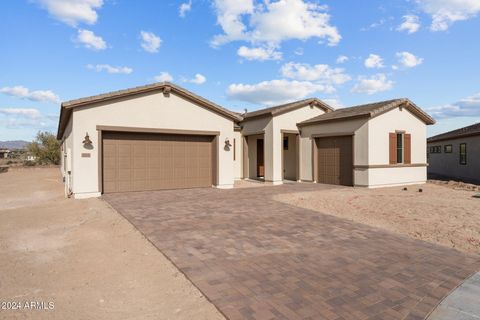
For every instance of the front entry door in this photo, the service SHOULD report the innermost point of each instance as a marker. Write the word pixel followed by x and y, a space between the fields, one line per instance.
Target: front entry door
pixel 260 159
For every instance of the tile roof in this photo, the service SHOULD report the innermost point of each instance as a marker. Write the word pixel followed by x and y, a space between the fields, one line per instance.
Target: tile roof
pixel 369 111
pixel 67 106
pixel 288 107
pixel 472 130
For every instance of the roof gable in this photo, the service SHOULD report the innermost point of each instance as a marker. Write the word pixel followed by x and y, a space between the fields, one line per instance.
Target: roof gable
pixel 284 108
pixel 370 110
pixel 165 87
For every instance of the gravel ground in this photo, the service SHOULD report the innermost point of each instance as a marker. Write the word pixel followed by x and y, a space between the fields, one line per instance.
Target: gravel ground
pixel 84 257
pixel 440 214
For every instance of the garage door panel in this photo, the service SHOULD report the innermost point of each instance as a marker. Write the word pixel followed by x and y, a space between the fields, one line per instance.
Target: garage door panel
pixel 136 162
pixel 335 160
pixel 124 162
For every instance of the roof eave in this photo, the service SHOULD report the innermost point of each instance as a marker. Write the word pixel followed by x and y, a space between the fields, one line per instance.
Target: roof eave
pixel 67 106
pixel 308 122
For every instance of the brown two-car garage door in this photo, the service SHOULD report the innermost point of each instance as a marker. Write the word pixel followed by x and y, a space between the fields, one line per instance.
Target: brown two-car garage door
pixel 335 160
pixel 139 161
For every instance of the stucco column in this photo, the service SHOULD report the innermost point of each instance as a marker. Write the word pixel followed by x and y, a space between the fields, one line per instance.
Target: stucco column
pixel 276 164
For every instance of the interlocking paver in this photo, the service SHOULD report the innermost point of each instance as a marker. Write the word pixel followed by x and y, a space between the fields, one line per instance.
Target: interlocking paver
pixel 257 258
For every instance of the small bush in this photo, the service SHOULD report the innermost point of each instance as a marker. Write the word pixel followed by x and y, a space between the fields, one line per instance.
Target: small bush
pixel 45 148
pixel 27 163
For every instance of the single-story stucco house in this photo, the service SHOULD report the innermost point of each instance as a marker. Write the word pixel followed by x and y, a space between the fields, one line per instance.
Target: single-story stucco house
pixel 455 154
pixel 161 136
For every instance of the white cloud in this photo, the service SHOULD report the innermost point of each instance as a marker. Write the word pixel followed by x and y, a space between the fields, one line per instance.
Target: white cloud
pixel 320 73
pixel 274 91
pixel 411 24
pixel 22 112
pixel 198 79
pixel 445 12
pixel 184 8
pixel 378 24
pixel 73 12
pixel 164 77
pixel 260 54
pixel 333 102
pixel 110 69
pixel 342 59
pixel 374 61
pixel 468 107
pixel 299 51
pixel 19 118
pixel 408 60
pixel 24 93
pixel 150 41
pixel 299 20
pixel 374 84
pixel 90 40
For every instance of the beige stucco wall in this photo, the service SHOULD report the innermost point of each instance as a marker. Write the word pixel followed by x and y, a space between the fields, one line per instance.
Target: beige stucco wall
pixel 448 164
pixel 378 154
pixel 253 127
pixel 396 120
pixel 306 173
pixel 272 128
pixel 287 121
pixel 66 157
pixel 144 111
pixel 384 177
pixel 238 160
pixel 371 147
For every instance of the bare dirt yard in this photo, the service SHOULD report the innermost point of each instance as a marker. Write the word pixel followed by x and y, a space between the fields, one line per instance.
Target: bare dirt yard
pixel 83 257
pixel 440 214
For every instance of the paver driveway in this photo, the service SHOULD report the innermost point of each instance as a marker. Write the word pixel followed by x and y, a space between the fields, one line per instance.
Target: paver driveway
pixel 256 258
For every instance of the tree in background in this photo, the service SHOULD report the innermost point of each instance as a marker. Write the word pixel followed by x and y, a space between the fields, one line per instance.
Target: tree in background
pixel 45 148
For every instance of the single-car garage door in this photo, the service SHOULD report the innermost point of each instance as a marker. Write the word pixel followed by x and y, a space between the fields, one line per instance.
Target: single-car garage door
pixel 139 161
pixel 335 160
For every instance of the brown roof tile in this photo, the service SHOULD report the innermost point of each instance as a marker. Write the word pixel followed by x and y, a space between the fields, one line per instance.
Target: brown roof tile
pixel 276 110
pixel 67 106
pixel 369 111
pixel 472 130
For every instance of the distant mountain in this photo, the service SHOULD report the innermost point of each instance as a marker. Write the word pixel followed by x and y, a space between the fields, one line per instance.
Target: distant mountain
pixel 17 144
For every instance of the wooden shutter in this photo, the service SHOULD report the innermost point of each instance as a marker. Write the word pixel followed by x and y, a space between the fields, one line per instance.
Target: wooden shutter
pixel 393 147
pixel 407 148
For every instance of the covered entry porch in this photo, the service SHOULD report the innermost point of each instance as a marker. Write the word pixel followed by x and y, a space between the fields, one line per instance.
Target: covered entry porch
pixel 272 162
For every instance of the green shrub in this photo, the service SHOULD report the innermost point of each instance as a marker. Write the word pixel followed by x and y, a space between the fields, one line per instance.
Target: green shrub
pixel 45 148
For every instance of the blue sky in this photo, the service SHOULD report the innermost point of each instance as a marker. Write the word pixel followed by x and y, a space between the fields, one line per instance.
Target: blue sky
pixel 240 54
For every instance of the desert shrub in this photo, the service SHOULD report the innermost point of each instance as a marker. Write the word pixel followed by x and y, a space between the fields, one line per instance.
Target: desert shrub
pixel 29 163
pixel 45 148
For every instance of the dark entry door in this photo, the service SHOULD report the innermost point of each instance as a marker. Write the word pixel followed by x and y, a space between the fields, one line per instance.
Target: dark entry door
pixel 260 159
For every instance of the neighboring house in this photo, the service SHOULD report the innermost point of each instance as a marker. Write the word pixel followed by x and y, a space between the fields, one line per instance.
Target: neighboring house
pixel 456 154
pixel 162 136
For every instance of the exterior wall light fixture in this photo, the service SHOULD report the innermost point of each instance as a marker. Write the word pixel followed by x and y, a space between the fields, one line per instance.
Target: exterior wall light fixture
pixel 87 141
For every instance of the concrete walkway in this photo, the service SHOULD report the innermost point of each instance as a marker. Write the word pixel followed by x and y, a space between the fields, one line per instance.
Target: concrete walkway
pixel 461 304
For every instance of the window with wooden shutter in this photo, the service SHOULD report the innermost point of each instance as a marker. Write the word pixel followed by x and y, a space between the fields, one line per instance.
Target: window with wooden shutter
pixel 407 151
pixel 393 148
